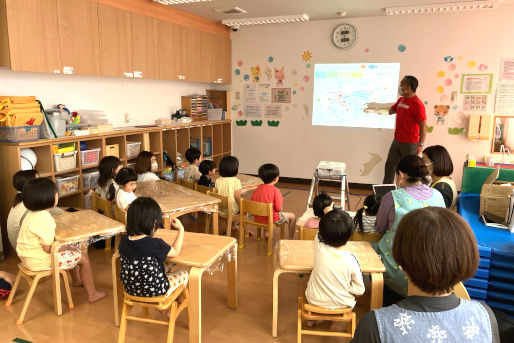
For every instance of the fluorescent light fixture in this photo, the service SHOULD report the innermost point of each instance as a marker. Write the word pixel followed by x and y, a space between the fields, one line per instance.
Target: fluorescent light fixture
pixel 175 2
pixel 446 7
pixel 266 20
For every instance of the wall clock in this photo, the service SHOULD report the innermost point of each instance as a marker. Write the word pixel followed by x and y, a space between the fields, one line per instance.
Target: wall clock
pixel 344 36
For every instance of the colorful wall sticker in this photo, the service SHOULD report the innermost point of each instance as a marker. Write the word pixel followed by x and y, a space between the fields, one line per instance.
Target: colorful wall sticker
pixel 306 56
pixel 256 73
pixel 472 64
pixel 280 76
pixel 268 72
pixel 237 72
pixel 270 59
pixel 256 122
pixel 441 111
pixel 402 48
pixel 430 129
pixel 241 122
pixel 368 167
pixel 448 59
pixel 246 77
pixel 273 123
pixel 239 63
pixel 456 130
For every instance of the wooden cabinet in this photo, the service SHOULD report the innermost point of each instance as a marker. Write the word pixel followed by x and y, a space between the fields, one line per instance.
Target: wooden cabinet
pixel 215 52
pixel 145 46
pixel 207 47
pixel 171 57
pixel 78 36
pixel 114 27
pixel 33 35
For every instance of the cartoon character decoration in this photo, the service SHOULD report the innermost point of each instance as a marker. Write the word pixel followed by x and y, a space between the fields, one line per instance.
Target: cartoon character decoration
pixel 441 111
pixel 280 76
pixel 268 72
pixel 256 74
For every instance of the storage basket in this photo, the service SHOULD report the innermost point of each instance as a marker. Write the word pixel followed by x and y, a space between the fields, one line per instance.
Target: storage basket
pixel 91 156
pixel 18 134
pixel 90 179
pixel 67 184
pixel 133 149
pixel 65 161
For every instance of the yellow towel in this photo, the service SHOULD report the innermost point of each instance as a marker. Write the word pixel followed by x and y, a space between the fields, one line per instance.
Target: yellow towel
pixel 27 105
pixel 21 119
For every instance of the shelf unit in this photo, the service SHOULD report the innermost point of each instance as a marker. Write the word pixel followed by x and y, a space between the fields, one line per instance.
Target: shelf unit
pixel 172 139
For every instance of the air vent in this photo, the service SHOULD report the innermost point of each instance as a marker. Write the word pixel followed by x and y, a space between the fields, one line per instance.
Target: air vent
pixel 233 10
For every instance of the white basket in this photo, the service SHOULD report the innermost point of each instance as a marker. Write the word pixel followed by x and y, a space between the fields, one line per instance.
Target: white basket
pixel 65 161
pixel 88 202
pixel 90 179
pixel 91 156
pixel 133 149
pixel 67 184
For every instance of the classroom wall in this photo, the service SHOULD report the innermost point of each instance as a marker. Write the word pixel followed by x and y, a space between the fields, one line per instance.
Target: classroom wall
pixel 475 40
pixel 144 99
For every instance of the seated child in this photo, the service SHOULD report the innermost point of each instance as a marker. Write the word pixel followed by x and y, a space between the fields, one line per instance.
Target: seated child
pixel 322 204
pixel 142 256
pixel 191 172
pixel 6 281
pixel 207 168
pixel 228 184
pixel 37 234
pixel 109 167
pixel 146 166
pixel 268 193
pixel 127 182
pixel 18 210
pixel 336 277
pixel 366 217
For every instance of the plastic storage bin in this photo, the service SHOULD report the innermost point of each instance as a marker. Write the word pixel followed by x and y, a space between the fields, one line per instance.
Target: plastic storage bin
pixel 18 134
pixel 88 202
pixel 65 161
pixel 90 179
pixel 133 149
pixel 91 156
pixel 67 184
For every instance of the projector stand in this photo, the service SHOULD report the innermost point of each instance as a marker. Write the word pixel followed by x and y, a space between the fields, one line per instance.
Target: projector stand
pixel 330 175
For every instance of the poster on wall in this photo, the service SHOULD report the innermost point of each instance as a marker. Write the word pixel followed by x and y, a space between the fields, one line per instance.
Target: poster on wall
pixel 504 98
pixel 475 103
pixel 253 110
pixel 264 93
pixel 507 69
pixel 250 93
pixel 476 83
pixel 273 111
pixel 281 95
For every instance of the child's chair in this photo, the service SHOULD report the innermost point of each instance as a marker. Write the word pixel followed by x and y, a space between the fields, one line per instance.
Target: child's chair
pixel 33 279
pixel 248 207
pixel 461 291
pixel 158 303
pixel 120 216
pixel 307 233
pixel 203 189
pixel 226 203
pixel 187 184
pixel 366 237
pixel 311 312
pixel 104 207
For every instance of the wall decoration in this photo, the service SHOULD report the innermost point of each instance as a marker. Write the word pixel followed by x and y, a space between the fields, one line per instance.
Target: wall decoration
pixel 402 48
pixel 507 69
pixel 308 66
pixel 270 59
pixel 306 56
pixel 241 122
pixel 441 111
pixel 237 72
pixel 273 123
pixel 440 73
pixel 504 98
pixel 294 92
pixel 454 107
pixel 240 113
pixel 366 50
pixel 294 72
pixel 280 76
pixel 253 110
pixel 448 82
pixel 456 76
pixel 250 93
pixel 440 89
pixel 264 93
pixel 430 129
pixel 256 73
pixel 475 103
pixel 273 111
pixel 482 67
pixel 302 88
pixel 239 63
pixel 281 95
pixel 234 107
pixel 425 102
pixel 448 59
pixel 246 77
pixel 476 83
pixel 256 122
pixel 459 58
pixel 306 78
pixel 368 167
pixel 268 72
pixel 454 96
pixel 456 130
pixel 472 64
pixel 452 67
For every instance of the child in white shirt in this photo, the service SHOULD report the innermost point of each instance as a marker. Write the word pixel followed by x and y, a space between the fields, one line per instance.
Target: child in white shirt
pixel 127 181
pixel 336 277
pixel 146 166
pixel 191 172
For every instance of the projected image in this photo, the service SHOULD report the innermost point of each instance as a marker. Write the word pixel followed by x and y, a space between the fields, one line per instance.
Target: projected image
pixel 355 94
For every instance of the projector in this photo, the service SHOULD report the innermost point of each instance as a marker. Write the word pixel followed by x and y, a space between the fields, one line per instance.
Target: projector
pixel 327 169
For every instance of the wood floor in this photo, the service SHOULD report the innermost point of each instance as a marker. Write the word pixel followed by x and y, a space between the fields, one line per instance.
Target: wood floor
pixel 250 323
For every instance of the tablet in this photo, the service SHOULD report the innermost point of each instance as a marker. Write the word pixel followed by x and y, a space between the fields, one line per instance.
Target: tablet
pixel 381 190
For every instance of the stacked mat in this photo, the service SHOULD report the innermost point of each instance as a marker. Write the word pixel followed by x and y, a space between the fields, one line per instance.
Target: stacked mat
pixel 19 111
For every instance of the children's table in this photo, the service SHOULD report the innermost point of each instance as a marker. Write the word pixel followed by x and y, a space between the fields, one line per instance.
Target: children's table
pixel 74 227
pixel 176 200
pixel 297 257
pixel 201 252
pixel 248 182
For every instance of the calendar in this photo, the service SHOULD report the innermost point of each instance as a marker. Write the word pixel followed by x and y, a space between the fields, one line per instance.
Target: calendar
pixel 475 103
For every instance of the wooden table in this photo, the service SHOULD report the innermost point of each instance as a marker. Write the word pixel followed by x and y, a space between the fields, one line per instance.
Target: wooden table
pixel 248 182
pixel 73 227
pixel 297 257
pixel 176 200
pixel 200 251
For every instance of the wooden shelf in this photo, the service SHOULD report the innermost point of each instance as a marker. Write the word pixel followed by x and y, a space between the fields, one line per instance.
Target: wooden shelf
pixel 66 171
pixel 69 194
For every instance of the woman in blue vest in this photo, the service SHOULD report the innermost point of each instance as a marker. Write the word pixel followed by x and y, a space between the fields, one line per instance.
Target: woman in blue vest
pixel 436 249
pixel 412 179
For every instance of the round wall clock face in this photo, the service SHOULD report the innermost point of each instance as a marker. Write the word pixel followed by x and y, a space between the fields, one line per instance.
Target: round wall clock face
pixel 344 36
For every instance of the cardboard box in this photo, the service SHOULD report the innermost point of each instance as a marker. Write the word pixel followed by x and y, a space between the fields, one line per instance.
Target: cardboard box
pixel 495 198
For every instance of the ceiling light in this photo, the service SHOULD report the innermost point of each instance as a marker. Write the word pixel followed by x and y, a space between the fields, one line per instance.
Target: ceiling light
pixel 266 20
pixel 175 2
pixel 447 7
pixel 341 14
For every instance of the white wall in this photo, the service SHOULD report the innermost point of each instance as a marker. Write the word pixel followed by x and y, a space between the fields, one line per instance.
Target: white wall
pixel 145 100
pixel 296 146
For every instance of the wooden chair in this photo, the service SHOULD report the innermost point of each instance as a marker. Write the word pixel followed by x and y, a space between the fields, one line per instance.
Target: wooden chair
pixel 121 216
pixel 366 237
pixel 104 207
pixel 204 189
pixel 311 312
pixel 247 207
pixel 33 279
pixel 187 184
pixel 460 291
pixel 307 233
pixel 226 203
pixel 158 303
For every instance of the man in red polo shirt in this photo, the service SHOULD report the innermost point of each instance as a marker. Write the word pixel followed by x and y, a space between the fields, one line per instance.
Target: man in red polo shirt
pixel 410 131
